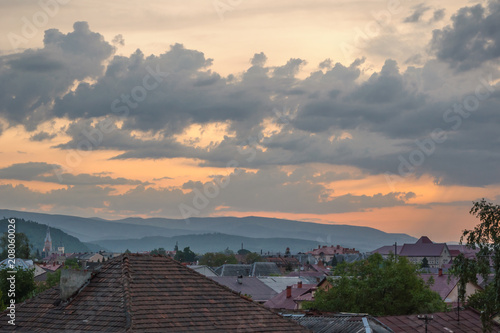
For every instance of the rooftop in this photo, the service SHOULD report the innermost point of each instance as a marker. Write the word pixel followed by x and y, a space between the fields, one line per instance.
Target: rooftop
pixel 139 293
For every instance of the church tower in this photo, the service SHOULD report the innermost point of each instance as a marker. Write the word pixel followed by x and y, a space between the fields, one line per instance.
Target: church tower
pixel 48 243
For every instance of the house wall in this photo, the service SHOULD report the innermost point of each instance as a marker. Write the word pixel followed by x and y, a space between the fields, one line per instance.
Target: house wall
pixel 469 290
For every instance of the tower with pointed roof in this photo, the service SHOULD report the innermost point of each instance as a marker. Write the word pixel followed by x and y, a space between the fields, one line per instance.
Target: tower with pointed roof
pixel 47 248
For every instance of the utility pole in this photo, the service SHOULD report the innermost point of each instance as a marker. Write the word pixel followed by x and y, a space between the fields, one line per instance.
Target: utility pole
pixel 426 319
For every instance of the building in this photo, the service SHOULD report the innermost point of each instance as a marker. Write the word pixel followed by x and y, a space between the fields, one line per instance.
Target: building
pixel 141 293
pixel 326 253
pixel 446 286
pixel 247 286
pixel 289 298
pixel 47 247
pixel 437 254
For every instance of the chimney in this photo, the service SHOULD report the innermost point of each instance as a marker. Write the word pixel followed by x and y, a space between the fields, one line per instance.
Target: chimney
pixel 299 284
pixel 71 281
pixel 440 272
pixel 239 279
pixel 288 291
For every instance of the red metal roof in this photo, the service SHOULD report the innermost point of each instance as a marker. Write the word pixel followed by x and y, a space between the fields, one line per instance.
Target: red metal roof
pixel 470 322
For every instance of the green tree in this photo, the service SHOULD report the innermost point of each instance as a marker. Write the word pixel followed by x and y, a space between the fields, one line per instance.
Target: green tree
pixel 243 251
pixel 217 259
pixel 253 257
pixel 159 251
pixel 24 282
pixel 486 237
pixel 425 263
pixel 22 246
pixel 72 263
pixel 127 251
pixel 378 287
pixel 186 255
pixel 334 261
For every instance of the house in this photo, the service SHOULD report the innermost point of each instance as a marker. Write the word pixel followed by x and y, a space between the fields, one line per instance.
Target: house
pixel 437 254
pixel 285 263
pixel 287 299
pixel 470 322
pixel 279 283
pixel 141 293
pixel 326 253
pixel 446 286
pixel 248 286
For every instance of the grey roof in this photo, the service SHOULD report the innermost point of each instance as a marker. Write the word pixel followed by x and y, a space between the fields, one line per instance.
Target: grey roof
pixel 234 270
pixel 279 283
pixel 341 324
pixel 265 269
pixel 203 269
pixel 250 286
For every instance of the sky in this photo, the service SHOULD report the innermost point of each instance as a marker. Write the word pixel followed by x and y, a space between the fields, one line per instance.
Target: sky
pixel 371 113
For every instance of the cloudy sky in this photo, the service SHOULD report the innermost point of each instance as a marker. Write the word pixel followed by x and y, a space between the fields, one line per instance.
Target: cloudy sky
pixel 374 113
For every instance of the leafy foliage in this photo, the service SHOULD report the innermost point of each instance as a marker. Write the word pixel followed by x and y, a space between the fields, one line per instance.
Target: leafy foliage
pixel 24 284
pixel 378 287
pixel 159 251
pixel 253 257
pixel 486 237
pixel 217 259
pixel 185 256
pixel 22 246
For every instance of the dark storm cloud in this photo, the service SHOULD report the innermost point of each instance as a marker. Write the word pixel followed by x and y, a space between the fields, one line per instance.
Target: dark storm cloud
pixel 31 80
pixel 418 11
pixel 472 39
pixel 52 173
pixel 42 136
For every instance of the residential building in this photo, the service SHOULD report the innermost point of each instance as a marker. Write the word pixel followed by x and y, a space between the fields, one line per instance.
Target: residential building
pixel 140 293
pixel 287 299
pixel 446 286
pixel 255 269
pixel 247 286
pixel 342 323
pixel 326 253
pixel 437 254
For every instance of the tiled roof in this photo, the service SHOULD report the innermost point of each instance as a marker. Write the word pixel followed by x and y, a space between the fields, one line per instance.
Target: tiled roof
pixel 137 293
pixel 470 322
pixel 251 286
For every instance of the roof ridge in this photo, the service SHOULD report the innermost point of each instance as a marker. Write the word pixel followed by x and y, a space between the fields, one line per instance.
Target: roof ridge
pixel 127 298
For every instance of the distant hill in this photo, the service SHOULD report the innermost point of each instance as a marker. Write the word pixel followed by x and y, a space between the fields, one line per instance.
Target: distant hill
pixel 36 234
pixel 96 229
pixel 213 242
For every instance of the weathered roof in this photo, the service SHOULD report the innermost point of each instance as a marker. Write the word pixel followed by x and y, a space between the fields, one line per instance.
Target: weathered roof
pixel 233 270
pixel 203 269
pixel 422 249
pixel 280 301
pixel 138 293
pixel 442 322
pixel 18 262
pixel 385 250
pixel 341 324
pixel 264 269
pixel 251 286
pixel 443 284
pixel 279 283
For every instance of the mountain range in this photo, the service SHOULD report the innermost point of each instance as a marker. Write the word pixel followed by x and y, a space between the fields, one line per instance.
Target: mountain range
pixel 138 231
